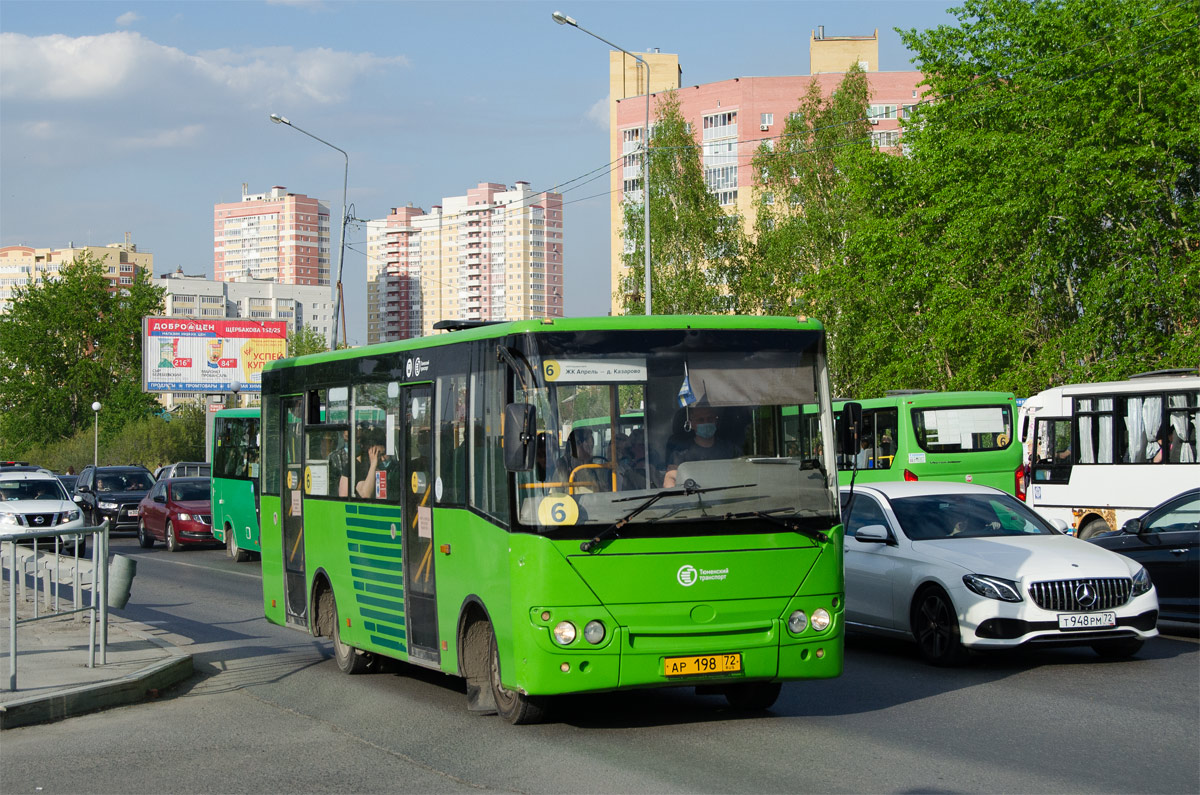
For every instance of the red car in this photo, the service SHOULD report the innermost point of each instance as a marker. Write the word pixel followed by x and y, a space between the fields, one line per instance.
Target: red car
pixel 178 512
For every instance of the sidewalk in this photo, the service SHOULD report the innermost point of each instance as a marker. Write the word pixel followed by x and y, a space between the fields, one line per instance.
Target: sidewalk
pixel 53 680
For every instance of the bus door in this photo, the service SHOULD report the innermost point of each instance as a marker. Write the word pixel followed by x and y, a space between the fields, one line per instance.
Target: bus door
pixel 420 582
pixel 294 577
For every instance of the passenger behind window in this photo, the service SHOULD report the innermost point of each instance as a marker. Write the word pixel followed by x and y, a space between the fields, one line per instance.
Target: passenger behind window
pixel 589 478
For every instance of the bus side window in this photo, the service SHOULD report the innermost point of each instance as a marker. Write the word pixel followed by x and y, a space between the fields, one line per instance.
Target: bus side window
pixel 489 480
pixel 451 440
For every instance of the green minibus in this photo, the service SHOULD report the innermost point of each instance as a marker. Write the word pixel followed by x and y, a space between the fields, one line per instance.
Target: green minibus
pixel 234 481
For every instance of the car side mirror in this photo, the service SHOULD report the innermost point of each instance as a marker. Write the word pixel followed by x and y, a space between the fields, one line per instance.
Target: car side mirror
pixel 520 437
pixel 76 498
pixel 1059 525
pixel 872 534
pixel 1133 527
pixel 160 498
pixel 849 427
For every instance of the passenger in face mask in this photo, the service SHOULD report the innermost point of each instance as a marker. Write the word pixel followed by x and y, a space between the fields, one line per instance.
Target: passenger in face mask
pixel 705 445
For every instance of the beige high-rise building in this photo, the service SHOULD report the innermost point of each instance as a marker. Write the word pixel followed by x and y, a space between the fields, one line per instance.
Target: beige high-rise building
pixel 22 265
pixel 495 253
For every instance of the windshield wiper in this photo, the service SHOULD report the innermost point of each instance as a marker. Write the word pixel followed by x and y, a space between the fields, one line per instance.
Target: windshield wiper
pixel 612 530
pixel 795 527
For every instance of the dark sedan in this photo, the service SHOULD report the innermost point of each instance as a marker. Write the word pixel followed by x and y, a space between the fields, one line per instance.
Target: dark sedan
pixel 178 512
pixel 1166 541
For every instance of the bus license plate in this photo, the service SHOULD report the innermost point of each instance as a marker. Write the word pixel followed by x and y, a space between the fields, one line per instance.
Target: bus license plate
pixel 703 664
pixel 1086 620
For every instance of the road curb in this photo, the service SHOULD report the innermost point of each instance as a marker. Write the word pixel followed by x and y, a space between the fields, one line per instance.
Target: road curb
pixel 129 689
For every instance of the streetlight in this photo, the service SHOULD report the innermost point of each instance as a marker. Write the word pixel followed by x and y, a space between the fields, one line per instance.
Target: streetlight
pixel 337 307
pixel 96 435
pixel 563 19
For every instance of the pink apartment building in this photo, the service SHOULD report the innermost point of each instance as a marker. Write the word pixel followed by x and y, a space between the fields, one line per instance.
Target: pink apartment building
pixel 276 235
pixel 732 118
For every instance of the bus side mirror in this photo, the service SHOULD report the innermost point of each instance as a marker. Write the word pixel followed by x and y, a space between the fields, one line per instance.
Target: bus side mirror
pixel 849 427
pixel 520 437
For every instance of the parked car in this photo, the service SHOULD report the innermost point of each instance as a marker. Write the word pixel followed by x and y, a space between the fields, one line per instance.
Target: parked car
pixel 184 469
pixel 68 482
pixel 961 567
pixel 21 466
pixel 177 512
pixel 37 501
pixel 1166 540
pixel 113 493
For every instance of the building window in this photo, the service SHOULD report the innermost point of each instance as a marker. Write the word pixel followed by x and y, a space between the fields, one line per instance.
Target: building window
pixel 720 155
pixel 877 112
pixel 766 119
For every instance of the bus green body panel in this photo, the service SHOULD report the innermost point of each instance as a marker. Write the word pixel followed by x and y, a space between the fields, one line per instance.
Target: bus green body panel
pixel 233 498
pixel 995 466
pixel 272 560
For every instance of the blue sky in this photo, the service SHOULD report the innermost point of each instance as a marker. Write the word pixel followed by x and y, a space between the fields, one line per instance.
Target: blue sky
pixel 123 117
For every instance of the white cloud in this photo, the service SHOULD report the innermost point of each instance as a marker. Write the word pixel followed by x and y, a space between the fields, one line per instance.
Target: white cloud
pixel 127 19
pixel 163 139
pixel 127 65
pixel 598 113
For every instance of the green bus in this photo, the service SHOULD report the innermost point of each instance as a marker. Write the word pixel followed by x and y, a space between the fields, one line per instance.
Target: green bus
pixel 428 500
pixel 966 437
pixel 234 482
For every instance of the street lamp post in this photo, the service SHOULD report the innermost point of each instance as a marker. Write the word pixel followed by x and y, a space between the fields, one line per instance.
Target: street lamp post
pixel 338 310
pixel 563 19
pixel 96 434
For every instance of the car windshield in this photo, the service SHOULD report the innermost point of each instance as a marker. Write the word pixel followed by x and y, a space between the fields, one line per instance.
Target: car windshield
pixel 713 425
pixel 124 481
pixel 189 490
pixel 11 490
pixel 937 516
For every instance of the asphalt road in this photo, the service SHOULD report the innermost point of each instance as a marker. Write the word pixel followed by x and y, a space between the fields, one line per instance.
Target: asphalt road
pixel 268 711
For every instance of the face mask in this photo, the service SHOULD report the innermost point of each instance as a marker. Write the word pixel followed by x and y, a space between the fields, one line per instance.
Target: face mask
pixel 706 430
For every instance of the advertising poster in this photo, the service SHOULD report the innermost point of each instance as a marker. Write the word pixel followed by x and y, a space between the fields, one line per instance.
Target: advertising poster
pixel 191 355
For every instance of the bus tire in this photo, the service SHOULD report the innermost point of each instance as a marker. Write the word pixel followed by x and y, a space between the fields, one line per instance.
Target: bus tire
pixel 753 696
pixel 1091 527
pixel 232 549
pixel 512 705
pixel 349 659
pixel 145 540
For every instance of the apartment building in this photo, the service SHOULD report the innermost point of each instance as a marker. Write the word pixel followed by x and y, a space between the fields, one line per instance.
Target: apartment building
pixel 24 265
pixel 733 118
pixel 495 253
pixel 276 235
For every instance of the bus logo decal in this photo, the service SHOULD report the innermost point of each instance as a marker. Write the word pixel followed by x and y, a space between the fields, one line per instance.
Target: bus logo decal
pixel 687 575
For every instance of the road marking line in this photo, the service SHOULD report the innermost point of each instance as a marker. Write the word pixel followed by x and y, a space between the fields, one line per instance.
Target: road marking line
pixel 198 566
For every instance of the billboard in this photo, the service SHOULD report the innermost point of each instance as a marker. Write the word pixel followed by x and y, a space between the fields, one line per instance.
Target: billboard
pixel 182 354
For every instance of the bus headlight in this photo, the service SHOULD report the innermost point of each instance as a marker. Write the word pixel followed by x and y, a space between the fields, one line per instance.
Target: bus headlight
pixel 821 619
pixel 564 633
pixel 593 633
pixel 797 622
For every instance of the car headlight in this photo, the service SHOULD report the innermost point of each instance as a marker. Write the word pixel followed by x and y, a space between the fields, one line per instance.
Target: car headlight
pixel 10 519
pixel 107 506
pixel 69 516
pixel 1141 583
pixel 564 633
pixel 185 517
pixel 993 587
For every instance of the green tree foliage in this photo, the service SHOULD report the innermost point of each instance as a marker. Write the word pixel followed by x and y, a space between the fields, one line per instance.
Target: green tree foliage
pixel 693 244
pixel 67 342
pixel 804 211
pixel 305 340
pixel 149 442
pixel 1042 227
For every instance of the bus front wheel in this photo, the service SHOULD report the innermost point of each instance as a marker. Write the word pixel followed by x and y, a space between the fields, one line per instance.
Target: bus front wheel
pixel 514 706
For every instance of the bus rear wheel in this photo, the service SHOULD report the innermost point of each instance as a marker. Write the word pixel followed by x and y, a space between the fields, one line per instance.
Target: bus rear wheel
pixel 515 707
pixel 232 549
pixel 1092 527
pixel 349 659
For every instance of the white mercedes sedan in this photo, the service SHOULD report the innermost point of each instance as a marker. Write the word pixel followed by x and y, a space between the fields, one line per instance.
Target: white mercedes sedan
pixel 959 567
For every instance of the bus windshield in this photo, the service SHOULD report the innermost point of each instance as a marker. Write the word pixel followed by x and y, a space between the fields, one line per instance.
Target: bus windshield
pixel 663 427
